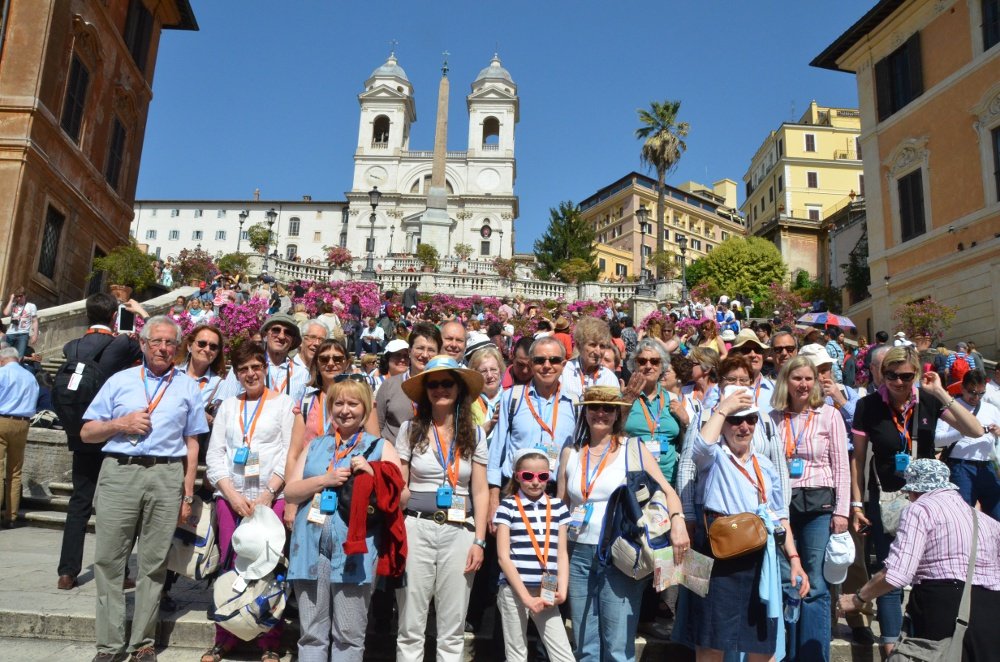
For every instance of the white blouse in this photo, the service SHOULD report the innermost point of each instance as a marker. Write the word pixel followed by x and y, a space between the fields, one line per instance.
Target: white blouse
pixel 426 473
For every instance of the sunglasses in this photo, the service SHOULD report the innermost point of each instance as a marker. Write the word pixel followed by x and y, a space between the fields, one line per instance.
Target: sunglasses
pixel 354 377
pixel 905 377
pixel 975 394
pixel 202 344
pixel 542 360
pixel 607 409
pixel 278 332
pixel 783 349
pixel 749 349
pixel 529 476
pixel 324 359
pixel 641 361
pixel 441 383
pixel 399 356
pixel 750 419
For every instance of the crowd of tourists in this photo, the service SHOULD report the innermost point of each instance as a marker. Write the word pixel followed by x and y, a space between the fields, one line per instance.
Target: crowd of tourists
pixel 412 465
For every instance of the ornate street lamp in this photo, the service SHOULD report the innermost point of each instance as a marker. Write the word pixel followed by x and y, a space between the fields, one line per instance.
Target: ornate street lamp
pixel 368 273
pixel 271 217
pixel 643 288
pixel 683 243
pixel 243 219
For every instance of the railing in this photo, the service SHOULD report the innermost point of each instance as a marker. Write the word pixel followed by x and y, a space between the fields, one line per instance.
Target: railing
pixel 488 147
pixel 845 155
pixel 429 154
pixel 380 144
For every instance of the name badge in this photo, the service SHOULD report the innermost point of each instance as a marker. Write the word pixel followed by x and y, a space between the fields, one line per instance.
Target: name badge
pixel 252 468
pixel 581 516
pixel 796 467
pixel 549 587
pixel 653 446
pixel 240 458
pixel 553 454
pixel 316 515
pixel 902 462
pixel 134 439
pixel 328 502
pixel 456 512
pixel 444 497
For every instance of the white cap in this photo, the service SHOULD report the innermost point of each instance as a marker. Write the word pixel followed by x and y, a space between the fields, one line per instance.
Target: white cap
pixel 839 557
pixel 735 388
pixel 396 345
pixel 817 354
pixel 258 542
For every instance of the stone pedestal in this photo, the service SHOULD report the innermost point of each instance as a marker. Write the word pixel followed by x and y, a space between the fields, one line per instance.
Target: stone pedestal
pixel 640 307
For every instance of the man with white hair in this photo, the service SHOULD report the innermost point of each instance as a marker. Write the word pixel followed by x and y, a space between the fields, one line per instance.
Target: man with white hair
pixel 150 416
pixel 313 332
pixel 18 397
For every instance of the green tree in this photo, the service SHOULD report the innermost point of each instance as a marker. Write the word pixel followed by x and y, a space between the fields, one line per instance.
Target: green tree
pixel 126 265
pixel 259 236
pixel 428 256
pixel 567 237
pixel 576 270
pixel 233 263
pixel 663 145
pixel 662 262
pixel 741 266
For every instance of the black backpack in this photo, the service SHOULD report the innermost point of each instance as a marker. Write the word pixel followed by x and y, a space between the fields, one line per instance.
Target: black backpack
pixel 71 395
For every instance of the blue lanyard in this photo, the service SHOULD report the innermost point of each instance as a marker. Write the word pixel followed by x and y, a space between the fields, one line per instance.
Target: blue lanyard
pixel 246 421
pixel 586 469
pixel 168 377
pixel 438 449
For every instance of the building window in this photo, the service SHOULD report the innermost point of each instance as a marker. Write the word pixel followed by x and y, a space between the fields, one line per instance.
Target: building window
pixel 899 78
pixel 116 154
pixel 150 235
pixel 781 183
pixel 196 235
pixel 995 142
pixel 770 194
pixel 861 185
pixel 175 213
pixel 345 214
pixel 220 235
pixel 290 251
pixel 152 212
pixel 781 147
pixel 602 264
pixel 198 213
pixel 293 226
pixel 911 205
pixel 96 283
pixel 317 236
pixel 666 235
pixel 484 248
pixel 696 244
pixel 708 248
pixel 343 239
pixel 50 242
pixel 175 235
pixel 810 142
pixel 76 99
pixel 245 235
pixel 725 235
pixel 138 32
pixel 647 251
pixel 991 23
pixel 621 270
pixel 221 213
pixel 812 180
pixel 380 131
pixel 813 212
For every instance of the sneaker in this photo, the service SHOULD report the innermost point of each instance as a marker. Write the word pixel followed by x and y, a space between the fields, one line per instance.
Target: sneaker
pixel 111 657
pixel 147 654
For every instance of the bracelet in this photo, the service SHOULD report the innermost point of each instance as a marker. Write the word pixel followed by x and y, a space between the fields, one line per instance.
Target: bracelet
pixel 677 514
pixel 950 403
pixel 270 489
pixel 479 542
pixel 858 504
pixel 792 556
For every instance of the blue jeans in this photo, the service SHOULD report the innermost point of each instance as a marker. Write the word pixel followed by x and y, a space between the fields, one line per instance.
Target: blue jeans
pixel 809 639
pixel 603 606
pixel 890 605
pixel 19 341
pixel 977 483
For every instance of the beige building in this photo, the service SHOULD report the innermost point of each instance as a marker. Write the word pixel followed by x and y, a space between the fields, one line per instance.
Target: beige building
pixel 704 216
pixel 801 170
pixel 75 85
pixel 928 75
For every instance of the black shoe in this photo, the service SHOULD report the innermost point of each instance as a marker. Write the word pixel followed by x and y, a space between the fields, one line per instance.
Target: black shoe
pixel 863 636
pixel 167 604
pixel 111 657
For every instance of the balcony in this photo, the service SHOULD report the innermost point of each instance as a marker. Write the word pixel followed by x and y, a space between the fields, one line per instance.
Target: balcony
pixel 380 144
pixel 846 155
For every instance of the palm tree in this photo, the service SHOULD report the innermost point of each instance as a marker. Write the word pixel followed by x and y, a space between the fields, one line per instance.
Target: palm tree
pixel 662 149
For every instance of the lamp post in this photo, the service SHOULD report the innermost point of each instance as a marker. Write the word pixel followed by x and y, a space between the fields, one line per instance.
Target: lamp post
pixel 643 288
pixel 682 241
pixel 368 273
pixel 500 251
pixel 271 217
pixel 392 233
pixel 243 219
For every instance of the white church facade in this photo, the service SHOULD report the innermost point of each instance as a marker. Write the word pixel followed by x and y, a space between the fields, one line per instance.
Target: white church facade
pixel 480 205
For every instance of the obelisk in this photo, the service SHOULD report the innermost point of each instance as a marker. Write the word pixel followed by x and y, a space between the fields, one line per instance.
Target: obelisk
pixel 435 225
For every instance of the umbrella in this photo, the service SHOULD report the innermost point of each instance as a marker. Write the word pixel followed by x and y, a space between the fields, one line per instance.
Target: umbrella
pixel 827 319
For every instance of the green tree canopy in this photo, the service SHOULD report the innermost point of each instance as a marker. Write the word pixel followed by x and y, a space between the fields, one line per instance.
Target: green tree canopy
pixel 567 237
pixel 259 236
pixel 740 266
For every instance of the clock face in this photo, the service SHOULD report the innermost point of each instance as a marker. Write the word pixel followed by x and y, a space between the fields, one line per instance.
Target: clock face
pixel 375 175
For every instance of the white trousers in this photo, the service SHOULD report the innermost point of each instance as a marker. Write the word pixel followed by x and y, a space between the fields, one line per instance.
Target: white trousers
pixel 435 568
pixel 550 626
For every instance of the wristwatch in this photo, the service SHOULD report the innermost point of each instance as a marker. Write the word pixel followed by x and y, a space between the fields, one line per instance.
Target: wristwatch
pixel 188 499
pixel 270 489
pixel 479 542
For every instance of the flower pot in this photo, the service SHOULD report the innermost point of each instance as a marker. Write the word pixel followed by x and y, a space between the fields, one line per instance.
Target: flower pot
pixel 121 292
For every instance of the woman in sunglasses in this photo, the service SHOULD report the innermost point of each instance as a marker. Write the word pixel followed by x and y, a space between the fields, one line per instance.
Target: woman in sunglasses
pixel 604 602
pixel 815 444
pixel 656 416
pixel 443 455
pixel 887 419
pixel 733 616
pixel 201 358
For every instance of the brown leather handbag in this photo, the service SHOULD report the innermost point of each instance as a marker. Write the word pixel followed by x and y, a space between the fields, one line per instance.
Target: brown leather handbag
pixel 733 536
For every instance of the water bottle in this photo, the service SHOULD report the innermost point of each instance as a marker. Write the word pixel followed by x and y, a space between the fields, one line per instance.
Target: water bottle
pixel 793 603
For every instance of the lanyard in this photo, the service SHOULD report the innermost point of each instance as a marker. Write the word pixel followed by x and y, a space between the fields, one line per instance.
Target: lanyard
pixel 792 445
pixel 756 388
pixel 759 485
pixel 555 415
pixel 543 556
pixel 251 425
pixel 654 423
pixel 584 376
pixel 484 402
pixel 338 454
pixel 904 432
pixel 104 332
pixel 586 481
pixel 450 465
pixel 285 386
pixel 153 402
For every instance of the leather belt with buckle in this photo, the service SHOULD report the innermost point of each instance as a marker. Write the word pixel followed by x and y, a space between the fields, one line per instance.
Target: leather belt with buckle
pixel 437 516
pixel 143 460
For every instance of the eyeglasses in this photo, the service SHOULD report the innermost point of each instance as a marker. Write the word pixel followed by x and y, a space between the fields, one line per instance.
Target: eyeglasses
pixel 542 360
pixel 750 419
pixel 905 377
pixel 528 476
pixel 279 331
pixel 783 349
pixel 324 359
pixel 741 381
pixel 161 342
pixel 440 383
pixel 202 344
pixel 252 367
pixel 641 361
pixel 354 377
pixel 607 409
pixel 489 371
pixel 313 339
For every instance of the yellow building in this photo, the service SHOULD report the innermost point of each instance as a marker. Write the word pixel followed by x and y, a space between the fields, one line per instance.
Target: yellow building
pixel 928 75
pixel 800 170
pixel 704 216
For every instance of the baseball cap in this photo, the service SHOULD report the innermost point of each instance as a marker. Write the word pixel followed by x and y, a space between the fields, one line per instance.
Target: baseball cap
pixel 838 558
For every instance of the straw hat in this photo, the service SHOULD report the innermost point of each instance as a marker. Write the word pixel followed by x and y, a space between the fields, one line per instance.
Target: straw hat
pixel 603 395
pixel 748 336
pixel 562 324
pixel 414 386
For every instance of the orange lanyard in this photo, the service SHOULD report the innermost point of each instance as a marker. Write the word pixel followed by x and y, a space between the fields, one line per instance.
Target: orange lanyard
pixel 284 384
pixel 248 437
pixel 756 389
pixel 543 556
pixel 451 459
pixel 904 433
pixel 485 404
pixel 653 424
pixel 583 376
pixel 154 402
pixel 759 485
pixel 792 444
pixel 338 454
pixel 586 482
pixel 104 332
pixel 555 415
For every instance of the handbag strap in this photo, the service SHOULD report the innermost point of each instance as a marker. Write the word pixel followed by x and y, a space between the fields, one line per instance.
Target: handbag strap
pixel 954 653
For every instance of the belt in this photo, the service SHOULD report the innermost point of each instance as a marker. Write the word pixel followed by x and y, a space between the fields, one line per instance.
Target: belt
pixel 438 517
pixel 975 463
pixel 143 460
pixel 15 418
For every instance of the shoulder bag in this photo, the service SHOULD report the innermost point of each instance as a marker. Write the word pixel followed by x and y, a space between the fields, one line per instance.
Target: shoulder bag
pixel 732 536
pixel 892 504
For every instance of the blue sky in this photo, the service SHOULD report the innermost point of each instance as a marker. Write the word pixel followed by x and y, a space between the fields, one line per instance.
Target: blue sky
pixel 265 94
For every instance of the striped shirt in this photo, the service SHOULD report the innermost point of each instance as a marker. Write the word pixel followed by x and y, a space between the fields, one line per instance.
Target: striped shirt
pixel 522 552
pixel 934 542
pixel 822 445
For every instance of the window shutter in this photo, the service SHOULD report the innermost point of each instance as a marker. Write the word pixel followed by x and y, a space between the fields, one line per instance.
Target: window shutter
pixel 915 66
pixel 883 91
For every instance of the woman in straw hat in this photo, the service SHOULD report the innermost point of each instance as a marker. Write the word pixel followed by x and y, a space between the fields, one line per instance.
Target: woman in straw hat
pixel 443 456
pixel 604 602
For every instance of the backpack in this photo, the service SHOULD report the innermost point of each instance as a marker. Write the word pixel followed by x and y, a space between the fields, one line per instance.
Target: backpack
pixel 958 369
pixel 193 552
pixel 249 608
pixel 77 382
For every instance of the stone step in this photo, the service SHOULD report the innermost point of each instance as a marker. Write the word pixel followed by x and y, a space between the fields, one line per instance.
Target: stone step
pixel 50 519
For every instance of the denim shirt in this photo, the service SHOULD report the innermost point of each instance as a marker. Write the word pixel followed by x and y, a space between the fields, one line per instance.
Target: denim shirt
pixel 309 540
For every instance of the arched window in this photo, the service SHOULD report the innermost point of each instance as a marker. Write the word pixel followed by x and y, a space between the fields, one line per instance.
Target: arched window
pixel 293 226
pixel 291 251
pixel 424 184
pixel 380 131
pixel 343 239
pixel 491 133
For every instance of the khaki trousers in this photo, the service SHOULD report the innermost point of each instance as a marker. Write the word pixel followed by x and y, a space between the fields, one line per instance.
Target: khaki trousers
pixel 133 500
pixel 13 439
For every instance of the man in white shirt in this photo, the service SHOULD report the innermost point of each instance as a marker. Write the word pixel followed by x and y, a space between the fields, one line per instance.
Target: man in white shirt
pixel 372 338
pixel 969 458
pixel 993 388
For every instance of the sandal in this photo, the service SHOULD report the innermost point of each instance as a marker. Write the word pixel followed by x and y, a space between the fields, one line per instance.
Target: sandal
pixel 214 654
pixel 270 656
